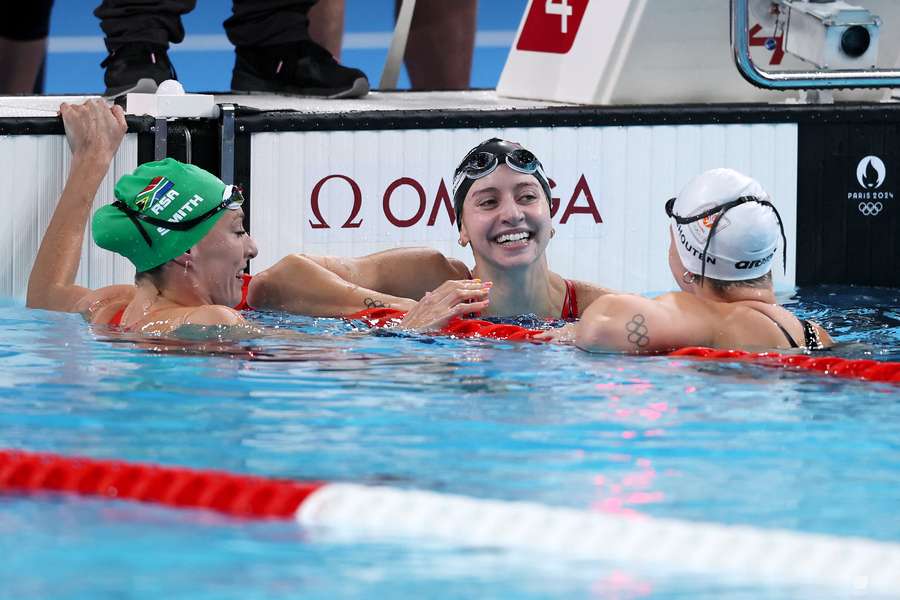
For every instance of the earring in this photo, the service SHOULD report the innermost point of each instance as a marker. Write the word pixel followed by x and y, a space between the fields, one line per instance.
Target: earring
pixel 462 243
pixel 688 277
pixel 552 232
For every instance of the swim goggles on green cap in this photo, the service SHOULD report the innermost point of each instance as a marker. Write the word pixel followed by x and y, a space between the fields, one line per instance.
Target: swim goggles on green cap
pixel 720 210
pixel 484 159
pixel 234 198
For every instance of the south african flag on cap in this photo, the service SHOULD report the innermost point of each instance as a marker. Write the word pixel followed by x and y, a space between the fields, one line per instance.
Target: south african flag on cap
pixel 151 194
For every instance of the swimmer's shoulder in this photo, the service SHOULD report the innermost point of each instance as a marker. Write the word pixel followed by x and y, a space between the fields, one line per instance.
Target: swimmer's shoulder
pixel 101 305
pixel 212 314
pixel 758 317
pixel 167 320
pixel 691 313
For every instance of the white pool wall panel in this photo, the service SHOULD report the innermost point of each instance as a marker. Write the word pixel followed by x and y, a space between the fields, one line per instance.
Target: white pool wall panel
pixel 629 172
pixel 34 169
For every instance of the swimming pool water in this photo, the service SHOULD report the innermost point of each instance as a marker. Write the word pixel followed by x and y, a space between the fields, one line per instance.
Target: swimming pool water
pixel 701 441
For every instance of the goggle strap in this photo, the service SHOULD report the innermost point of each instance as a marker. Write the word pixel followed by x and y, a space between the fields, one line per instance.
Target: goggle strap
pixel 144 233
pixel 170 225
pixel 722 210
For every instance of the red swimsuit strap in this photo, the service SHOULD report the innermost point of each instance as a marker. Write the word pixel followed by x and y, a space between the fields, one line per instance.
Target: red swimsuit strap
pixel 245 286
pixel 116 320
pixel 570 302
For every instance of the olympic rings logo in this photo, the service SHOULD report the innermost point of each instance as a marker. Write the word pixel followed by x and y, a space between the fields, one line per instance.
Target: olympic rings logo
pixel 870 209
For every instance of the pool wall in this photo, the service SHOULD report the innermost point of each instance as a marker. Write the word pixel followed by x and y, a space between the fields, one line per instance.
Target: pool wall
pixel 351 178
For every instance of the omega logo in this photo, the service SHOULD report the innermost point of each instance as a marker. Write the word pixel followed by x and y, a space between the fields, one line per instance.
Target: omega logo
pixel 581 201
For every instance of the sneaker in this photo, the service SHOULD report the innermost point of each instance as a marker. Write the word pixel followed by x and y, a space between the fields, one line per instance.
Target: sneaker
pixel 136 67
pixel 301 68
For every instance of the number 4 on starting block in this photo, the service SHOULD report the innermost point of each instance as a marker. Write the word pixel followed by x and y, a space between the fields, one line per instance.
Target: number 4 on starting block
pixel 561 8
pixel 552 25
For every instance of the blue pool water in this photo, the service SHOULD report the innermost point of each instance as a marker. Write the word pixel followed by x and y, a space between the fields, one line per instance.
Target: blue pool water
pixel 701 441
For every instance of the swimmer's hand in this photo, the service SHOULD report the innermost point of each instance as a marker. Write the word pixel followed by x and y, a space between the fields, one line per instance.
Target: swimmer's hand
pixel 93 129
pixel 558 335
pixel 452 299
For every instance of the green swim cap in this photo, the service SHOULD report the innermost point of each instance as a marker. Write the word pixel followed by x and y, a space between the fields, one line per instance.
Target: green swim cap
pixel 161 210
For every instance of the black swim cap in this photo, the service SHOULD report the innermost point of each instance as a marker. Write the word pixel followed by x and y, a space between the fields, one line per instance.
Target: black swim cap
pixel 483 159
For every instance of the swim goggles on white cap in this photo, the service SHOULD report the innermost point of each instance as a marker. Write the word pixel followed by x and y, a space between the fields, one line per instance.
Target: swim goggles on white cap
pixel 721 210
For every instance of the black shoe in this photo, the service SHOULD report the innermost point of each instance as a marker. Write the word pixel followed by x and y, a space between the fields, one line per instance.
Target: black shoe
pixel 137 67
pixel 301 68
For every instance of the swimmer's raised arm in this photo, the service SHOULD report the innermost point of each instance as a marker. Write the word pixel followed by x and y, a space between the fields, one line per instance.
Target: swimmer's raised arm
pixel 94 131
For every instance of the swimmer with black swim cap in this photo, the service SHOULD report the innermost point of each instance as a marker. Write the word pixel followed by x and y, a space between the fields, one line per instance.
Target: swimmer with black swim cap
pixel 501 198
pixel 724 233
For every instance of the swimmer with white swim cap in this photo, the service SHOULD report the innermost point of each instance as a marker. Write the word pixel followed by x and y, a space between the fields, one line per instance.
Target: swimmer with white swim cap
pixel 724 233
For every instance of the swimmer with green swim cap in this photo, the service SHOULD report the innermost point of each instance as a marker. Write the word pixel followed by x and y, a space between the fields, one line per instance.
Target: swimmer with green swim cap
pixel 170 205
pixel 181 227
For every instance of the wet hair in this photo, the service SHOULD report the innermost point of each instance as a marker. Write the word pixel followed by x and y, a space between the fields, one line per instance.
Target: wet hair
pixel 154 275
pixel 722 286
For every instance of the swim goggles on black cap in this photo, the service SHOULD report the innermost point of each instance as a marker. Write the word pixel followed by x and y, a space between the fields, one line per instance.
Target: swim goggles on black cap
pixel 231 200
pixel 722 209
pixel 484 159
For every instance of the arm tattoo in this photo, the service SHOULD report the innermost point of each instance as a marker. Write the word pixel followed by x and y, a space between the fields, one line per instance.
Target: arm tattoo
pixel 373 303
pixel 637 331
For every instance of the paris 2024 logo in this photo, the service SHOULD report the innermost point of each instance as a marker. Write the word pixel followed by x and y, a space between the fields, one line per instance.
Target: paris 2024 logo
pixel 871 174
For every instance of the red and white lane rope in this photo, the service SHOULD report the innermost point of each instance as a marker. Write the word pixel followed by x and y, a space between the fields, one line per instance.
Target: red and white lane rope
pixel 870 370
pixel 770 556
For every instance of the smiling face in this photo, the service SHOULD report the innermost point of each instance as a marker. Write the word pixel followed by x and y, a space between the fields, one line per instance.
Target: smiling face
pixel 506 218
pixel 219 258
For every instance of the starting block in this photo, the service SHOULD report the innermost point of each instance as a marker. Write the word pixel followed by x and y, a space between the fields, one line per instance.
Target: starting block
pixel 621 52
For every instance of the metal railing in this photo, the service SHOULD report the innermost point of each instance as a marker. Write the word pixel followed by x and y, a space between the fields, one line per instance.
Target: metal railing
pixel 797 80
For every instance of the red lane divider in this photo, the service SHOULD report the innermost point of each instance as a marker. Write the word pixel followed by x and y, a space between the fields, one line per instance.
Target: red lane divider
pixel 236 495
pixel 871 370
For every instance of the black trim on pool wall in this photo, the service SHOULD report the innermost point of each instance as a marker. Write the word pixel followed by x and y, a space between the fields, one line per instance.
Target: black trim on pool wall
pixel 54 125
pixel 252 121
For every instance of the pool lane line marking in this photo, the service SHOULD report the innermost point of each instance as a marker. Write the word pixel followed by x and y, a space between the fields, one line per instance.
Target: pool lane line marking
pixel 745 552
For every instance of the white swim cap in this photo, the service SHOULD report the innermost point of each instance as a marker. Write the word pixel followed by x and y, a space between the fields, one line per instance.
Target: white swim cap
pixel 745 239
